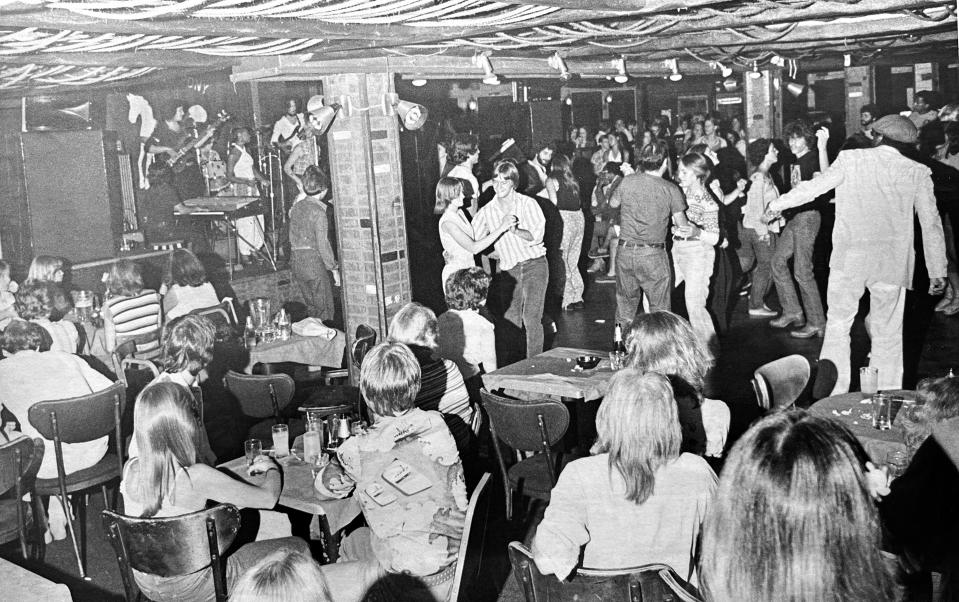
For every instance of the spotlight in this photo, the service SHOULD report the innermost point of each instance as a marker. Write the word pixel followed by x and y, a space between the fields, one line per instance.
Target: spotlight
pixel 724 70
pixel 418 82
pixel 482 61
pixel 609 99
pixel 795 89
pixel 621 76
pixel 569 101
pixel 673 65
pixel 755 73
pixel 320 115
pixel 557 62
pixel 411 115
pixel 847 60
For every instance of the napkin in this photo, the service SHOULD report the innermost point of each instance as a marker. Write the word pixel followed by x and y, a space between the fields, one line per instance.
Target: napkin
pixel 311 327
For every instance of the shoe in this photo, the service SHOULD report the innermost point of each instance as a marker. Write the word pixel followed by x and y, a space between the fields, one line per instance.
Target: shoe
pixel 807 332
pixel 598 265
pixel 598 254
pixel 787 321
pixel 761 312
pixel 744 289
pixel 574 306
pixel 607 279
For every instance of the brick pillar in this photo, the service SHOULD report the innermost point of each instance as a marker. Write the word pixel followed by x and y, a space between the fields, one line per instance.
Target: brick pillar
pixel 764 109
pixel 860 90
pixel 364 156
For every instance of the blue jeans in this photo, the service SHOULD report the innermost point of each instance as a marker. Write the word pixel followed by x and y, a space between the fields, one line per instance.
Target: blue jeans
pixel 757 253
pixel 797 240
pixel 641 270
pixel 526 305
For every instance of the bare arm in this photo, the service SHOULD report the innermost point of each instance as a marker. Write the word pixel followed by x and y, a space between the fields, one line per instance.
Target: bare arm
pixel 214 485
pixel 466 241
pixel 290 162
pixel 109 329
pixel 551 188
pixel 822 140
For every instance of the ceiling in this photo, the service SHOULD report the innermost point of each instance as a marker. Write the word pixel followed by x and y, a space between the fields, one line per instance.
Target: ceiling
pixel 64 44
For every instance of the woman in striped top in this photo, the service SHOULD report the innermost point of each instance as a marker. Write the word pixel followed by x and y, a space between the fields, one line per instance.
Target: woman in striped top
pixel 694 251
pixel 131 311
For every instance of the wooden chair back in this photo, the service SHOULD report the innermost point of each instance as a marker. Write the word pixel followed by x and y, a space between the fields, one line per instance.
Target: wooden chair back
pixel 526 426
pixel 469 560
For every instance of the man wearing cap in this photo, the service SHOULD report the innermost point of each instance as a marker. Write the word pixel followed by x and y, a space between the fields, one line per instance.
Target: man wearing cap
pixel 868 114
pixel 877 191
pixel 313 258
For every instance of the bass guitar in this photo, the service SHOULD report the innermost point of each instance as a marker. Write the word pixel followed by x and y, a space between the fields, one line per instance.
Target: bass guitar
pixel 176 160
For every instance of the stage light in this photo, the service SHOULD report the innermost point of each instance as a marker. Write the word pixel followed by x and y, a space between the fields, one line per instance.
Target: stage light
pixel 621 76
pixel 482 61
pixel 795 89
pixel 755 73
pixel 321 115
pixel 673 65
pixel 556 62
pixel 569 101
pixel 412 116
pixel 724 70
pixel 418 82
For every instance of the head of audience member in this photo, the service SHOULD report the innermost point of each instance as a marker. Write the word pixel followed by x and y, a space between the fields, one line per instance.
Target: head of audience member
pixel 414 324
pixel 924 101
pixel 604 143
pixel 283 576
pixel 762 154
pixel 952 137
pixel 612 139
pixel 736 124
pixel 653 157
pixel 467 289
pixel 583 134
pixel 897 132
pixel 939 398
pixel 646 139
pixel 184 269
pixel 710 125
pixel 949 112
pixel 793 518
pixel 932 139
pixel 732 137
pixel 505 178
pixel 868 113
pixel 663 342
pixel 166 434
pixel 609 173
pixel 124 279
pixel 20 335
pixel 41 301
pixel 698 130
pixel 638 426
pixel 390 379
pixel 561 170
pixel 315 182
pixel 464 150
pixel 693 168
pixel 545 154
pixel 45 268
pixel 449 193
pixel 799 136
pixel 187 345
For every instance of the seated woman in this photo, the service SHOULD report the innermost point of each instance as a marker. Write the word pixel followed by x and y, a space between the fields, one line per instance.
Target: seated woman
pixel 794 517
pixel 32 373
pixel 130 311
pixel 442 387
pixel 646 500
pixel 37 302
pixel 465 336
pixel 663 342
pixel 47 268
pixel 284 576
pixel 168 479
pixel 409 482
pixel 919 514
pixel 187 285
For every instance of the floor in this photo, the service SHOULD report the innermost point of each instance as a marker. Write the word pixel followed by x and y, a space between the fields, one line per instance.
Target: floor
pixel 747 345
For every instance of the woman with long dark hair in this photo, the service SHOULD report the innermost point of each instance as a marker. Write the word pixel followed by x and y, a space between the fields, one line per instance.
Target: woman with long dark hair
pixel 563 191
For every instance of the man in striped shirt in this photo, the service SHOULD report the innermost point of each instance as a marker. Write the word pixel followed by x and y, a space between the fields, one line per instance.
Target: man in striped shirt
pixel 521 252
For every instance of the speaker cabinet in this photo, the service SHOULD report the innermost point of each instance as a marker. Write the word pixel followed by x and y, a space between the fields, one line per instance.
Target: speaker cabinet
pixel 73 197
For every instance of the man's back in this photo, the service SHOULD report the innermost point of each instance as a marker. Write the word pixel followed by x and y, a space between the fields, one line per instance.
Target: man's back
pixel 647 202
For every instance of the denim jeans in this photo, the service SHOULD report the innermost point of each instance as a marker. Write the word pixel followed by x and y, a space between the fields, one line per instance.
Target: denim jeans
pixel 641 270
pixel 314 280
pixel 573 226
pixel 797 240
pixel 693 261
pixel 758 253
pixel 526 305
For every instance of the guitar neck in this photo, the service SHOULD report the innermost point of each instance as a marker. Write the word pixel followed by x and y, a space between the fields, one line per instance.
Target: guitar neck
pixel 194 143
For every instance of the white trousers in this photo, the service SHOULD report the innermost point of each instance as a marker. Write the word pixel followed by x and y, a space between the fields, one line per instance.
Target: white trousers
pixel 249 234
pixel 886 304
pixel 693 262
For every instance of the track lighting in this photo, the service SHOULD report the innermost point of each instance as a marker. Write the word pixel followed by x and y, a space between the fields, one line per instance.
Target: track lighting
pixel 673 65
pixel 557 62
pixel 482 61
pixel 621 76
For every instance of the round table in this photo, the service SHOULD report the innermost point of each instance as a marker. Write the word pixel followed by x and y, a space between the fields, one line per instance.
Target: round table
pixel 856 413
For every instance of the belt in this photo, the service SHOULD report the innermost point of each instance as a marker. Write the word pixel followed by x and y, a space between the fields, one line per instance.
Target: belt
pixel 641 245
pixel 302 249
pixel 440 577
pixel 690 239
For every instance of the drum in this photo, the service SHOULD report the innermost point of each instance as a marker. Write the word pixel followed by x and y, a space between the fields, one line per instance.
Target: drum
pixel 215 172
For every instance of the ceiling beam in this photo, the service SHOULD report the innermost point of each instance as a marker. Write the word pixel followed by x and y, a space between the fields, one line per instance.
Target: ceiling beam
pixel 164 59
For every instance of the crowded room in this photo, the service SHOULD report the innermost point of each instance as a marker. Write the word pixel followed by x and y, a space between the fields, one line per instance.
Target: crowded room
pixel 363 301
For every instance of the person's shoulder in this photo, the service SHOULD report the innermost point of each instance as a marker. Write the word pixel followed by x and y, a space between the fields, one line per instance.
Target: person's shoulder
pixel 590 465
pixel 694 468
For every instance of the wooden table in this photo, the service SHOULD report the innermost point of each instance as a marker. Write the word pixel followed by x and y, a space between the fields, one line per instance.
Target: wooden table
pixel 298 493
pixel 856 413
pixel 554 373
pixel 21 584
pixel 312 351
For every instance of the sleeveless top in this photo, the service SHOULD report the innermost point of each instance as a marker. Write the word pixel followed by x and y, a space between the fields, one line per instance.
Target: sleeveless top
pixel 567 199
pixel 243 168
pixel 460 258
pixel 132 507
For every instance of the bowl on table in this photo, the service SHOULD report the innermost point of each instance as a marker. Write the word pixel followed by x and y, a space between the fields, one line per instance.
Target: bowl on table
pixel 587 362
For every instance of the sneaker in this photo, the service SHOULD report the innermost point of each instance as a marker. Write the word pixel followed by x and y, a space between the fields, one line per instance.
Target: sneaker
pixel 598 265
pixel 785 321
pixel 598 254
pixel 807 332
pixel 761 312
pixel 608 278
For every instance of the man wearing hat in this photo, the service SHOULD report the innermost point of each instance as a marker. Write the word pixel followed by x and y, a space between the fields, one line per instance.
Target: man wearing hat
pixel 877 192
pixel 313 259
pixel 868 115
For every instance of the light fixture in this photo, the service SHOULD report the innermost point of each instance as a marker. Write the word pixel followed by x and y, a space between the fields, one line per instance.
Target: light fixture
pixel 673 66
pixel 418 82
pixel 755 73
pixel 847 60
pixel 723 69
pixel 472 105
pixel 609 99
pixel 556 62
pixel 569 101
pixel 621 76
pixel 482 61
pixel 796 89
pixel 321 115
pixel 411 115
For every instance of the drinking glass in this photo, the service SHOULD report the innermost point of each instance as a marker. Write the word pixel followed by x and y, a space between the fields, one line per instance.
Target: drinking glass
pixel 868 381
pixel 319 463
pixel 281 440
pixel 312 446
pixel 896 461
pixel 881 411
pixel 615 360
pixel 252 448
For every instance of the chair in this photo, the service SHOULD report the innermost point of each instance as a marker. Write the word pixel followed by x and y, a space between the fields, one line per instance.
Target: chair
pixel 124 358
pixel 469 560
pixel 526 426
pixel 221 313
pixel 172 546
pixel 337 395
pixel 261 396
pixel 824 380
pixel 779 383
pixel 19 462
pixel 647 583
pixel 364 340
pixel 79 420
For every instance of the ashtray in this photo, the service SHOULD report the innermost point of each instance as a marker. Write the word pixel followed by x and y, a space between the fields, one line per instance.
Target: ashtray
pixel 587 362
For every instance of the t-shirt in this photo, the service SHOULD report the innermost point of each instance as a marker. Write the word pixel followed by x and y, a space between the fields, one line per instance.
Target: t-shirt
pixel 802 169
pixel 646 205
pixel 567 198
pixel 136 317
pixel 443 390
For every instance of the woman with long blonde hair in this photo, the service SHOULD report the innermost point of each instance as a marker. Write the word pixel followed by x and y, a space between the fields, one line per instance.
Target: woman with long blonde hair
pixel 166 478
pixel 646 500
pixel 563 191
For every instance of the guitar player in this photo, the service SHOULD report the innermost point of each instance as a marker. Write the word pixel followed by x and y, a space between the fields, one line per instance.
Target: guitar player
pixel 287 129
pixel 169 136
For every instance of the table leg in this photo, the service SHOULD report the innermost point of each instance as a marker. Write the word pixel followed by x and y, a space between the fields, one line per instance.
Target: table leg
pixel 331 542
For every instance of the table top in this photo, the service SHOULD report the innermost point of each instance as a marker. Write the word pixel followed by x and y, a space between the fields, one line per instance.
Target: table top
pixel 21 584
pixel 312 351
pixel 856 413
pixel 554 372
pixel 298 492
